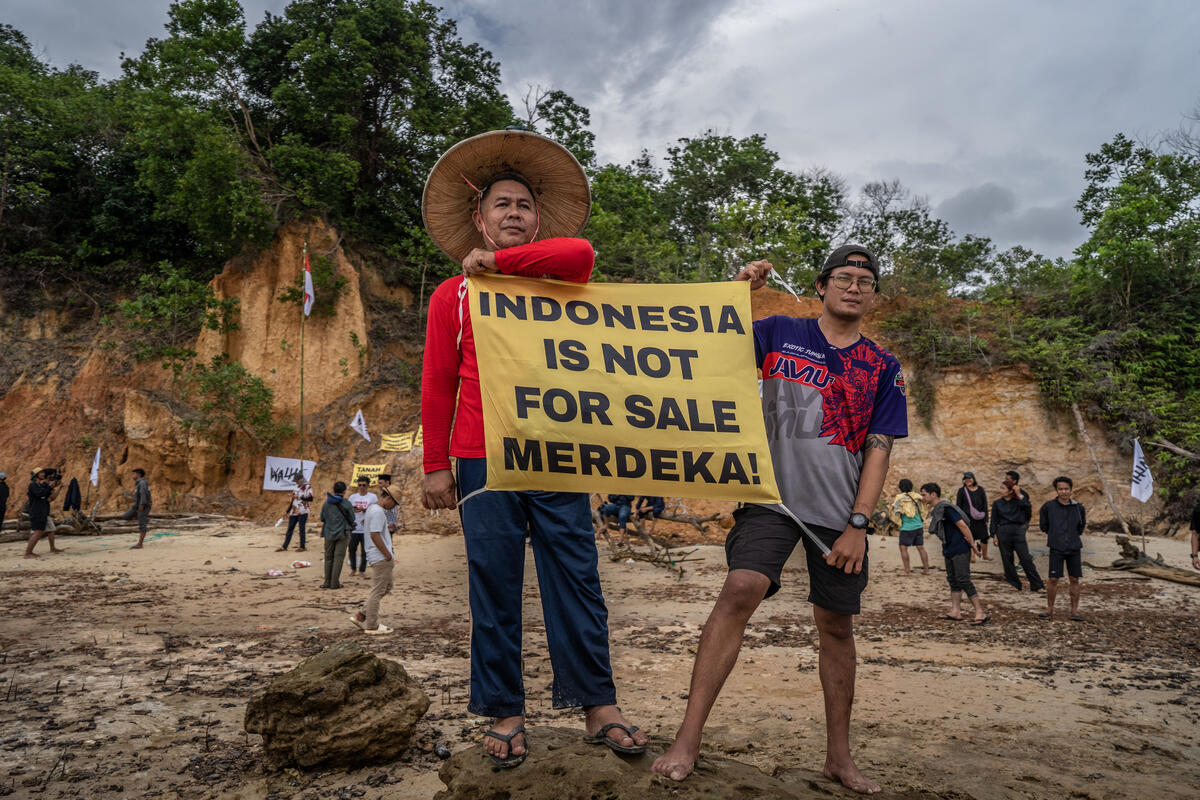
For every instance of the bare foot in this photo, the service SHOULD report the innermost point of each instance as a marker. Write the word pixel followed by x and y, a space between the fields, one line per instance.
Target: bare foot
pixel 32 555
pixel 136 547
pixel 850 777
pixel 925 572
pixel 988 558
pixel 597 717
pixel 56 550
pixel 678 762
pixel 906 572
pixel 500 749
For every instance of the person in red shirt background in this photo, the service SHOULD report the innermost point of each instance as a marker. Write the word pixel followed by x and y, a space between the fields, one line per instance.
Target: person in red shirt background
pixel 512 202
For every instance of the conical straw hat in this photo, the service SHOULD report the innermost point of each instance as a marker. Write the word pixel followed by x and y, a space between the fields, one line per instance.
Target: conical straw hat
pixel 559 185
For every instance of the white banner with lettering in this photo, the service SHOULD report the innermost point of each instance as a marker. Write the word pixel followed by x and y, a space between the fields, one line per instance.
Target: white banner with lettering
pixel 280 474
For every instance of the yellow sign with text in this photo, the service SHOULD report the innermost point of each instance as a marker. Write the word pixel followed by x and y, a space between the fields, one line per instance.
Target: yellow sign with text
pixel 638 389
pixel 369 471
pixel 396 442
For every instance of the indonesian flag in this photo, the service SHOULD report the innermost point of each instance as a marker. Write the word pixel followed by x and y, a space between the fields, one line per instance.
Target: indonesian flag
pixel 308 287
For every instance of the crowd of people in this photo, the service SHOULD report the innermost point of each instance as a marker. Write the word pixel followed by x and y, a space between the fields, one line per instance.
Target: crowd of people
pixel 481 208
pixel 964 528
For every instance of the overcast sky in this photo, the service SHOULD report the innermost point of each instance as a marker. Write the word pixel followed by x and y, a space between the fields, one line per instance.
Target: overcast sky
pixel 986 109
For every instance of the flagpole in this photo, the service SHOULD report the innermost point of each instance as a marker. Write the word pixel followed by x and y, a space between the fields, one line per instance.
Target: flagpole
pixel 303 318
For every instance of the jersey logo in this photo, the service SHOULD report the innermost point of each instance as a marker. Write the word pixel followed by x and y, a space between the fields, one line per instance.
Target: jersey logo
pixel 798 369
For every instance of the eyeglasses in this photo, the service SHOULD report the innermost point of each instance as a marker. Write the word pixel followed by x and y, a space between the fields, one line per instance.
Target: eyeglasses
pixel 843 280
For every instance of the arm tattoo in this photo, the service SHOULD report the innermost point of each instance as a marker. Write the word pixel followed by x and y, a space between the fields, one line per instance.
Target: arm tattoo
pixel 878 441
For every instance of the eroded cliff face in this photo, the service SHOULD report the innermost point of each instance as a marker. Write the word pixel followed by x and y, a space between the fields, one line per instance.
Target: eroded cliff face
pixel 69 393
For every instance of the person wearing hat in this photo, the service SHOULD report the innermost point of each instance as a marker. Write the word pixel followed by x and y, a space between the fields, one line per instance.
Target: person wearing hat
pixel 4 490
pixel 972 501
pixel 42 490
pixel 381 560
pixel 512 202
pixel 834 403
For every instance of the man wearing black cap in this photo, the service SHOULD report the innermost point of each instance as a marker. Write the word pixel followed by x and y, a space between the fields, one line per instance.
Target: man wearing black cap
pixel 833 401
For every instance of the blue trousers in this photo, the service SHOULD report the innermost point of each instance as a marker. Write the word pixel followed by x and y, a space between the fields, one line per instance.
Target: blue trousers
pixel 621 512
pixel 559 528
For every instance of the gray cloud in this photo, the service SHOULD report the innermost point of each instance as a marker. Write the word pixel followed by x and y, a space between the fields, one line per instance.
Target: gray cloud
pixel 945 96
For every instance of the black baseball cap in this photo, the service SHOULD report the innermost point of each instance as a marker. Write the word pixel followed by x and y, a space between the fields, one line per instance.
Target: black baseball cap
pixel 840 258
pixel 970 475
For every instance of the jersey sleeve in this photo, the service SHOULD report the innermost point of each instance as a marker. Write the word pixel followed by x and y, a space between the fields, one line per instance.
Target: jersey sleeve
pixel 563 257
pixel 763 330
pixel 890 416
pixel 439 375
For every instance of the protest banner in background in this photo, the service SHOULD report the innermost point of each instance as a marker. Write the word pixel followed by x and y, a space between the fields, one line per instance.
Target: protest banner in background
pixel 359 423
pixel 609 388
pixel 399 442
pixel 281 474
pixel 1141 485
pixel 369 471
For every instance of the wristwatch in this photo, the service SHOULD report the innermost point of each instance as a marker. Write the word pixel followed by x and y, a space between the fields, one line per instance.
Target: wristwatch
pixel 860 521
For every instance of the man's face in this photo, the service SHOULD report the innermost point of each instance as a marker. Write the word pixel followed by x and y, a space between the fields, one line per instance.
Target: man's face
pixel 1064 491
pixel 852 301
pixel 362 487
pixel 929 498
pixel 508 215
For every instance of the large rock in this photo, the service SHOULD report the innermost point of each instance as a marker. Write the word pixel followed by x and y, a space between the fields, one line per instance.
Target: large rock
pixel 342 707
pixel 561 767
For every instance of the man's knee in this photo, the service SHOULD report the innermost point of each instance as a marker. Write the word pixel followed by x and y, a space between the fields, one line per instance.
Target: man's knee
pixel 744 589
pixel 834 625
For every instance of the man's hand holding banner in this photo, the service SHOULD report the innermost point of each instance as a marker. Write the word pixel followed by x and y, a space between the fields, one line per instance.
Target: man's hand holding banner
pixel 641 389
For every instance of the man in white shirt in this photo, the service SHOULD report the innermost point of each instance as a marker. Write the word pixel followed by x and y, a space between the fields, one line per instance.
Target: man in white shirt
pixel 378 543
pixel 361 501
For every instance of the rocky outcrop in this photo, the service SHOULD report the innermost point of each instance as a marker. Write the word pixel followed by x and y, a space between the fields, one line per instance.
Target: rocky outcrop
pixel 343 707
pixel 561 767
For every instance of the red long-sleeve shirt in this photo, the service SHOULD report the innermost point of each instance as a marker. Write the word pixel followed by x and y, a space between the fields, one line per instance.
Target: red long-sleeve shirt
pixel 450 371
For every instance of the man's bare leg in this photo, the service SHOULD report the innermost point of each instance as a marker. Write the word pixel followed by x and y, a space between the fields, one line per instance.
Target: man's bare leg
pixel 956 603
pixel 1074 589
pixel 50 539
pixel 1051 593
pixel 718 651
pixel 837 664
pixel 505 725
pixel 924 559
pixel 32 543
pixel 904 559
pixel 983 551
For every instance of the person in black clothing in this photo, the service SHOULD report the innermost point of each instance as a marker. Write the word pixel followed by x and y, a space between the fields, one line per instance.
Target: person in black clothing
pixel 972 502
pixel 649 508
pixel 1010 520
pixel 41 491
pixel 1063 521
pixel 3 498
pixel 1196 537
pixel 947 523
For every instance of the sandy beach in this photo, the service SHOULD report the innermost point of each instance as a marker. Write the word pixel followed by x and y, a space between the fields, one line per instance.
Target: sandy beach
pixel 126 673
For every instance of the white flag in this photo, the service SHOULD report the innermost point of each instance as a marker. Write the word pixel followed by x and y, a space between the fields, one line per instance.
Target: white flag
pixel 359 424
pixel 95 477
pixel 308 287
pixel 1141 485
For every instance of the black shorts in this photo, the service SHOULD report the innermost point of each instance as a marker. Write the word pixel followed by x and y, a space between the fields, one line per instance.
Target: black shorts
pixel 1069 557
pixel 763 540
pixel 913 538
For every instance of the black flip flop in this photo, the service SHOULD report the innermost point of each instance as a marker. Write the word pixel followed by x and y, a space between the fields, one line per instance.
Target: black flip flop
pixel 983 621
pixel 602 737
pixel 510 761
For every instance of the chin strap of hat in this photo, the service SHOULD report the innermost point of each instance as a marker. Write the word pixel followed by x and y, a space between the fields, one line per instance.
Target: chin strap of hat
pixel 462 288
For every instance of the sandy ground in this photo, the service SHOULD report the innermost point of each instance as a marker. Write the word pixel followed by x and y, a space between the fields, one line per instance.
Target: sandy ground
pixel 126 673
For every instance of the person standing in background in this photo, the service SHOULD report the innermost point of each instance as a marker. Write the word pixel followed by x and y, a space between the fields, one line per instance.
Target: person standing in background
pixel 4 490
pixel 298 508
pixel 361 501
pixel 337 521
pixel 972 501
pixel 1010 520
pixel 141 505
pixel 1063 520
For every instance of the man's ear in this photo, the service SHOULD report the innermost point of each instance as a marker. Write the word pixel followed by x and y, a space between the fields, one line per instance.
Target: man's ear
pixel 477 220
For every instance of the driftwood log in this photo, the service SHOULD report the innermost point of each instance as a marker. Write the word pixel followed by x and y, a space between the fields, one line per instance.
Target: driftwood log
pixel 1135 560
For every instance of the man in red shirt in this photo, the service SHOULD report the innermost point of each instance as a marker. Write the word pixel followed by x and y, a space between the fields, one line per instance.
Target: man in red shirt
pixel 480 206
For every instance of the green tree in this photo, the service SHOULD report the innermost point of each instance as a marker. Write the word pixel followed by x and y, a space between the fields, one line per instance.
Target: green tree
pixel 229 399
pixel 169 311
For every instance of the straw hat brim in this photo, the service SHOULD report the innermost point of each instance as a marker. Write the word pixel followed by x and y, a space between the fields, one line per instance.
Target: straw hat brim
pixel 559 184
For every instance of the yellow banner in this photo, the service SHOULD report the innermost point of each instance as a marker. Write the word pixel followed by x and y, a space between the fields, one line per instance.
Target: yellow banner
pixel 396 442
pixel 638 389
pixel 368 471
